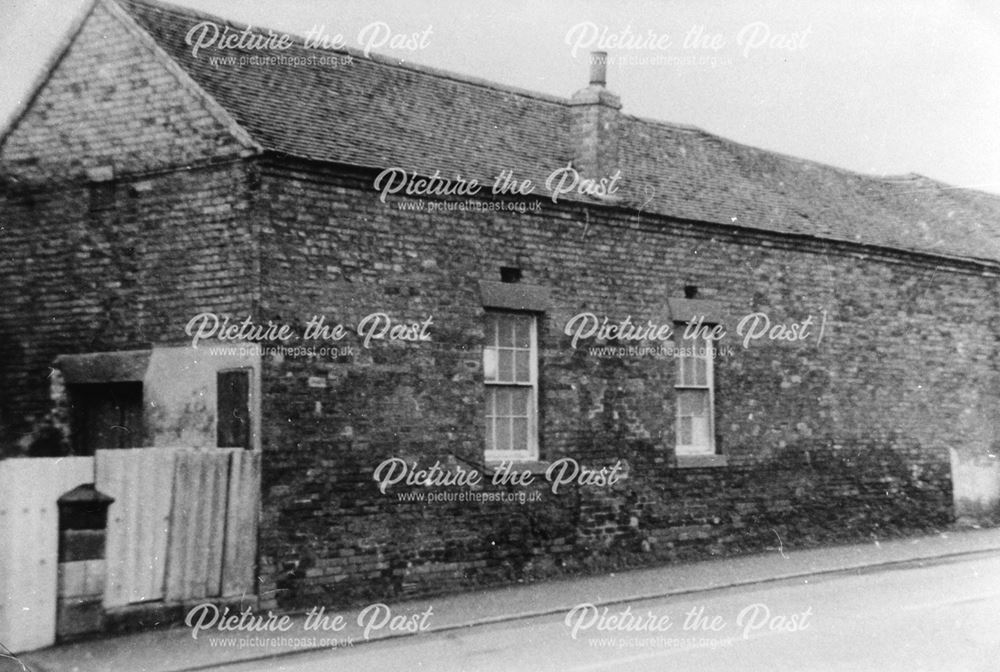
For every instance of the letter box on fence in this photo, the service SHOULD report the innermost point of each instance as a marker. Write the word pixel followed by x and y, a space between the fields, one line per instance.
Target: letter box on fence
pixel 83 522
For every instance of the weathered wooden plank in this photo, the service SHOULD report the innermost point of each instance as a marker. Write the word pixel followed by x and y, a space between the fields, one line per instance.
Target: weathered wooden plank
pixel 159 486
pixel 181 514
pixel 156 543
pixel 197 530
pixel 29 528
pixel 242 514
pixel 111 480
pixel 130 470
pixel 140 481
pixel 218 476
pixel 193 562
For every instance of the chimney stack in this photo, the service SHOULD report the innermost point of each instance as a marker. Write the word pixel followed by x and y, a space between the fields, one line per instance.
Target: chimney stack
pixel 598 68
pixel 594 125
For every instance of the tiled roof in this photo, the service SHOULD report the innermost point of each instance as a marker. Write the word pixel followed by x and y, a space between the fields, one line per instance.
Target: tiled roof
pixel 377 113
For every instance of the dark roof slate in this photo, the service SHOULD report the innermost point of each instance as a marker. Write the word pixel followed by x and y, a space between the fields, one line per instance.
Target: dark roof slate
pixel 377 113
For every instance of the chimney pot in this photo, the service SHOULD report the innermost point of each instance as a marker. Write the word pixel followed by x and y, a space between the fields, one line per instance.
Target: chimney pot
pixel 595 122
pixel 598 68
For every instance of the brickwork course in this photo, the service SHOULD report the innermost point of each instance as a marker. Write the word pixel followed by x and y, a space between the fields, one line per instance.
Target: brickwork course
pixel 143 184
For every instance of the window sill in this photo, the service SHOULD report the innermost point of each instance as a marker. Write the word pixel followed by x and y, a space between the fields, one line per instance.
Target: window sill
pixel 699 461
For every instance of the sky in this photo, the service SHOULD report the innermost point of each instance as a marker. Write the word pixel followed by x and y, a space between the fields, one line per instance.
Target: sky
pixel 883 88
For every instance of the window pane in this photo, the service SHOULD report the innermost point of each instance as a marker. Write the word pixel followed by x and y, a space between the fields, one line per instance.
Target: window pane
pixel 520 438
pixel 687 370
pixel 683 403
pixel 693 402
pixel 693 420
pixel 700 370
pixel 699 403
pixel 684 431
pixel 522 337
pixel 503 434
pixel 506 331
pixel 522 370
pixel 520 401
pixel 699 432
pixel 503 402
pixel 491 402
pixel 506 366
pixel 491 329
pixel 490 364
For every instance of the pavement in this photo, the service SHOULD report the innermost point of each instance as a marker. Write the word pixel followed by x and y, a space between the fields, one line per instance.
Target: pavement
pixel 177 649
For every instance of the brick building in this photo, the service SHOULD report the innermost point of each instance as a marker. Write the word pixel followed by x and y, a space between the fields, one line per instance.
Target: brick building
pixel 151 188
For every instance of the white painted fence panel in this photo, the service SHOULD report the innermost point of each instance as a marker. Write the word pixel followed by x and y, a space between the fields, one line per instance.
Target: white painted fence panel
pixel 29 544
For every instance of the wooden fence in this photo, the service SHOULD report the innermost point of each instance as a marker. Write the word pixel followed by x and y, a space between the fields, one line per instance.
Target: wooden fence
pixel 183 526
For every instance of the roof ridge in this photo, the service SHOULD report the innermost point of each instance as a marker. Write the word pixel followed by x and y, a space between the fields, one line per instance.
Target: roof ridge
pixel 690 128
pixel 375 57
pixel 676 125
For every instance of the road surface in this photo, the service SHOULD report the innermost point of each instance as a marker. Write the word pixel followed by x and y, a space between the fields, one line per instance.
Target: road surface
pixel 934 616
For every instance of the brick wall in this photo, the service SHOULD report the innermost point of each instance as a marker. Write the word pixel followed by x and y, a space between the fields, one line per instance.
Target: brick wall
pixel 843 439
pixel 126 209
pixel 827 441
pixel 126 276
